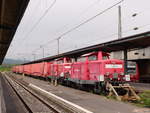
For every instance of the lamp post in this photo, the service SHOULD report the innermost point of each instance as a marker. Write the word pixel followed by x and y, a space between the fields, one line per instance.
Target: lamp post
pixel 119 23
pixel 58 49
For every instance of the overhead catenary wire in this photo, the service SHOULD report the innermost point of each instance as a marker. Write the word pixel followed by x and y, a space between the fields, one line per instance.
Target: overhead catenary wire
pixel 33 14
pixel 88 20
pixel 82 13
pixel 43 45
pixel 64 37
pixel 68 23
pixel 103 37
pixel 111 35
pixel 74 28
pixel 39 20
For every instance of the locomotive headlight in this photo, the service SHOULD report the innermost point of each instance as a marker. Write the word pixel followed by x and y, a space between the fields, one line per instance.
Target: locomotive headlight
pixel 127 77
pixel 62 74
pixel 100 78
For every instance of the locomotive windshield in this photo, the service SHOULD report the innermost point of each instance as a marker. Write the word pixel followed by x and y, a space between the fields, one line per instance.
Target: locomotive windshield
pixel 60 61
pixel 105 57
pixel 93 57
pixel 81 59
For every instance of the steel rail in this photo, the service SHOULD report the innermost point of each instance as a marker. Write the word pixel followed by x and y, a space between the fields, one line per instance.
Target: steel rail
pixel 33 94
pixel 21 99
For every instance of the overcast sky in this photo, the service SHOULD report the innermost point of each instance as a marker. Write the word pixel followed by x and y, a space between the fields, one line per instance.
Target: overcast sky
pixel 66 14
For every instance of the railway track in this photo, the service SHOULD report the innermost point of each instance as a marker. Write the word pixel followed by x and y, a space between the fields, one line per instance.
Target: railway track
pixel 36 101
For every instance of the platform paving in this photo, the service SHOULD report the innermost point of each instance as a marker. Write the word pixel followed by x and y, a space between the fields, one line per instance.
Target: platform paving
pixel 9 101
pixel 92 102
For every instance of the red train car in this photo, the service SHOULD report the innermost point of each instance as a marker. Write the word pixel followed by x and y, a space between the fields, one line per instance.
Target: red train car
pixel 20 69
pixel 13 69
pixel 92 70
pixel 53 70
pixel 64 68
pixel 37 69
pixel 17 69
pixel 47 69
pixel 60 68
pixel 27 69
pixel 96 67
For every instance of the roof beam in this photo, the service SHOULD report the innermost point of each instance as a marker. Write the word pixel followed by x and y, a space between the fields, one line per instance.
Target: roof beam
pixel 4 44
pixel 11 13
pixel 2 26
pixel 132 42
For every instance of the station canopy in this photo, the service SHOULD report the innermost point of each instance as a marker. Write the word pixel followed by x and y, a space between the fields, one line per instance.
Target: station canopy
pixel 132 42
pixel 11 12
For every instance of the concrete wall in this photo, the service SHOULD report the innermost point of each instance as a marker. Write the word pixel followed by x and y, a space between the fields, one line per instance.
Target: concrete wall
pixel 133 55
pixel 142 57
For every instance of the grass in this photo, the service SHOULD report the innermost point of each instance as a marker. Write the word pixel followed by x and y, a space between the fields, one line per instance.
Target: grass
pixel 5 68
pixel 143 102
pixel 145 99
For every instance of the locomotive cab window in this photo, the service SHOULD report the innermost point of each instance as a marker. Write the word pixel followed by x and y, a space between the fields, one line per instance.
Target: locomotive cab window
pixel 93 57
pixel 105 57
pixel 81 59
pixel 60 61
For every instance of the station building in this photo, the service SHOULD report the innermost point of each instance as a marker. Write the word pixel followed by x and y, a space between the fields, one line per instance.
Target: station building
pixel 141 57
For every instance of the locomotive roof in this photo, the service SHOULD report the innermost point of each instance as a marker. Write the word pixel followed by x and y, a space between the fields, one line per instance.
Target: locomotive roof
pixel 95 53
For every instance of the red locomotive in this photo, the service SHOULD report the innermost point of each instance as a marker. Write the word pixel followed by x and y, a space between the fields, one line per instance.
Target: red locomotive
pixel 90 70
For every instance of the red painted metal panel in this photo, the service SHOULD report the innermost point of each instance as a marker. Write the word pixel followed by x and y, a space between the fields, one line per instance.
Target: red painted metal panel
pixel 95 70
pixel 47 69
pixel 37 69
pixel 92 67
pixel 27 69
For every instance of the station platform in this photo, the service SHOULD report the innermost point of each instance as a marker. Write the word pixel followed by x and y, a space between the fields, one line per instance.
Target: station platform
pixel 9 102
pixel 89 101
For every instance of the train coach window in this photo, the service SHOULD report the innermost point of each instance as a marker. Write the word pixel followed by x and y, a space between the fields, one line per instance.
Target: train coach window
pixel 93 57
